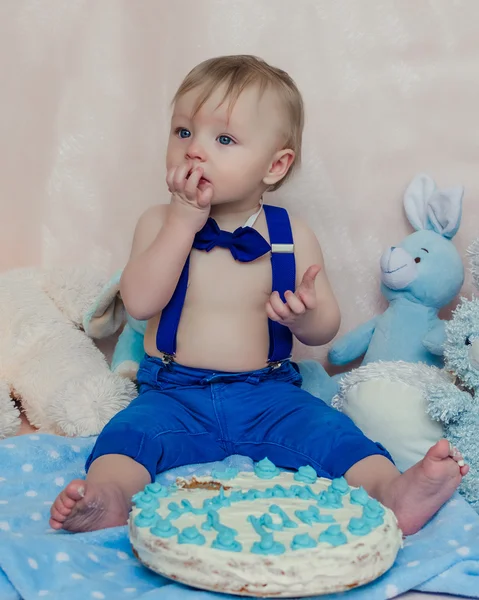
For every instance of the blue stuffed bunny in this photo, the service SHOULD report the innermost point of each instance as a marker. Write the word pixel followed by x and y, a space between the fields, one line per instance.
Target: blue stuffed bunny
pixel 418 277
pixel 106 317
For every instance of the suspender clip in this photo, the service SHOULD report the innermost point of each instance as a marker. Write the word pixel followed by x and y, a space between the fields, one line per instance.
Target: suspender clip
pixel 282 248
pixel 276 364
pixel 168 358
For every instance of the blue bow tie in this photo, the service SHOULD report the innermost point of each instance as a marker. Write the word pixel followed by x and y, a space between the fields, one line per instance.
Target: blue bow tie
pixel 245 243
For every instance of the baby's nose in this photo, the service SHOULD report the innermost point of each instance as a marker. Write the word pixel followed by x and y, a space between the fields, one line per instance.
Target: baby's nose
pixel 195 152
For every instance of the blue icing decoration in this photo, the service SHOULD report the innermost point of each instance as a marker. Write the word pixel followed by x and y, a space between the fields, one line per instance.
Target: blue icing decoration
pixel 278 491
pixel 228 473
pixel 307 516
pixel 265 469
pixel 187 507
pixel 373 513
pixel 146 518
pixel 287 522
pixel 309 491
pixel 176 510
pixel 208 524
pixel 303 492
pixel 374 508
pixel 236 496
pixel 267 521
pixel 164 529
pixel 253 494
pixel 312 515
pixel 267 545
pixel 257 525
pixel 359 496
pixel 330 499
pixel 218 501
pixel 340 485
pixel 191 535
pixel 145 500
pixel 158 490
pixel 358 526
pixel 225 540
pixel 213 522
pixel 333 536
pixel 302 541
pixel 306 475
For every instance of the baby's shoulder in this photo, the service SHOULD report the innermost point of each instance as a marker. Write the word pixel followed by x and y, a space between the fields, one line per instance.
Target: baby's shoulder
pixel 302 232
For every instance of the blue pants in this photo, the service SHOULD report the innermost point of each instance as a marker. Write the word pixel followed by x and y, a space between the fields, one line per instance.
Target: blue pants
pixel 185 416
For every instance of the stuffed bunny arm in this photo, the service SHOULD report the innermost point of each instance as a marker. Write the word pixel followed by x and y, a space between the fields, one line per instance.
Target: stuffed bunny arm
pixel 128 353
pixel 352 345
pixel 447 402
pixel 434 339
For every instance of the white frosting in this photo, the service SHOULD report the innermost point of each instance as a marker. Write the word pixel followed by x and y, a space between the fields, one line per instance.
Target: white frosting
pixel 304 572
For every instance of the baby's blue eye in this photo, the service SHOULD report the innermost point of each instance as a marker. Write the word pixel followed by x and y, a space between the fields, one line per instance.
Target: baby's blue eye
pixel 225 140
pixel 183 133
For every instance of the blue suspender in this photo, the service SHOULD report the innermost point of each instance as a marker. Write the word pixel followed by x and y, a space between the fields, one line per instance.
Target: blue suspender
pixel 170 317
pixel 283 267
pixel 284 278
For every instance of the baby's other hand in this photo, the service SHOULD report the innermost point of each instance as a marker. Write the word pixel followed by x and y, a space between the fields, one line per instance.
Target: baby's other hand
pixel 297 304
pixel 190 196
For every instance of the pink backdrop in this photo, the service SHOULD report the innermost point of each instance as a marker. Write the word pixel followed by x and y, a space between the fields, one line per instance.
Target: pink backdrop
pixel 391 88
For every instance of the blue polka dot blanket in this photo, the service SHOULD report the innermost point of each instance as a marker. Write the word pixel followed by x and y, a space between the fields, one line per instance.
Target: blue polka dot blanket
pixel 37 562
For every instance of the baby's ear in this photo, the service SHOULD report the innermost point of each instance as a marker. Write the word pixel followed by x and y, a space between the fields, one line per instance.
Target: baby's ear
pixel 279 166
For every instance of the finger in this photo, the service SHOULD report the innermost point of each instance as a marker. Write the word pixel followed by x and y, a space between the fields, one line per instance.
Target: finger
pixel 307 297
pixel 279 307
pixel 170 177
pixel 179 180
pixel 295 304
pixel 310 276
pixel 271 314
pixel 205 196
pixel 191 186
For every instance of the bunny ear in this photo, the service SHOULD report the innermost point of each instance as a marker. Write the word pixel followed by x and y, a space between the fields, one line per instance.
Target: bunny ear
pixel 473 253
pixel 444 211
pixel 416 198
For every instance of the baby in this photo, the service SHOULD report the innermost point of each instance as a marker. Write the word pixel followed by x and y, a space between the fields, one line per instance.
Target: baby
pixel 225 282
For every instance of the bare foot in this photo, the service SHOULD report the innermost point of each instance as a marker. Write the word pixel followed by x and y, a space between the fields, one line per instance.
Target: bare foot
pixel 417 494
pixel 88 506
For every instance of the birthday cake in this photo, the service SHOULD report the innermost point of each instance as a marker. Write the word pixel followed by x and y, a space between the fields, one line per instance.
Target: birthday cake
pixel 265 533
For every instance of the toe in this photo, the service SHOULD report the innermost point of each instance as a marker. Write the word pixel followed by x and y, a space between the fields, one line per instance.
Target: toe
pixel 61 507
pixel 67 502
pixel 56 516
pixel 74 492
pixel 439 451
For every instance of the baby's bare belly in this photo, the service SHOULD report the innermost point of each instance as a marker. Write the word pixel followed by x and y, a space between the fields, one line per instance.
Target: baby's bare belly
pixel 214 340
pixel 224 325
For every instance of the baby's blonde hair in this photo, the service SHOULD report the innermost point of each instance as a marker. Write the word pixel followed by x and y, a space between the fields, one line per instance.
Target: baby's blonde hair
pixel 238 72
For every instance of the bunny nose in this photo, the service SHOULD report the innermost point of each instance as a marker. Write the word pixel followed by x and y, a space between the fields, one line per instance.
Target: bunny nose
pixel 474 354
pixel 398 268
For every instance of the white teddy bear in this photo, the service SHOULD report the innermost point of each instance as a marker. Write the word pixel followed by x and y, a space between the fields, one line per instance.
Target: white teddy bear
pixel 47 364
